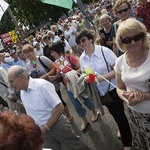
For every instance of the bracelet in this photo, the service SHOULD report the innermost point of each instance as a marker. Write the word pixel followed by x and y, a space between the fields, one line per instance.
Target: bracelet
pixel 48 129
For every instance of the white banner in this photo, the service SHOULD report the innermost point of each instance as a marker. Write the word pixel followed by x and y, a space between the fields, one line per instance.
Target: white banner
pixel 3 7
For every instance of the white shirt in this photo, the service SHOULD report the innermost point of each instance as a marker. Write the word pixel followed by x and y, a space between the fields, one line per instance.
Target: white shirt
pixel 24 62
pixel 38 52
pixel 135 78
pixel 72 37
pixel 74 24
pixel 40 100
pixel 56 38
pixel 98 65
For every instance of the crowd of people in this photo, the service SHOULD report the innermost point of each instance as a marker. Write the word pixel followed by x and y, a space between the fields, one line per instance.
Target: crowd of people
pixel 115 50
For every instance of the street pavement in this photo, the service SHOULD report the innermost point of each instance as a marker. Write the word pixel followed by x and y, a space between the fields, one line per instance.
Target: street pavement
pixel 100 135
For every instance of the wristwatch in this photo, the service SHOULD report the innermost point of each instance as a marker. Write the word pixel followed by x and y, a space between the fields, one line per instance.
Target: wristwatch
pixel 48 129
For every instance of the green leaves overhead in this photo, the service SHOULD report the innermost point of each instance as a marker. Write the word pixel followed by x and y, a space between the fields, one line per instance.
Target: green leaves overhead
pixel 30 13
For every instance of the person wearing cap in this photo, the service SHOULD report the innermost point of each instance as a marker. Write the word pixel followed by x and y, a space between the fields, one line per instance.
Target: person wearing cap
pixel 16 60
pixel 40 40
pixel 38 50
pixel 10 61
pixel 5 58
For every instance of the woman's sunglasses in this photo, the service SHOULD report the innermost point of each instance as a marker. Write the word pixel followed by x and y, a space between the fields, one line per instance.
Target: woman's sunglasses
pixel 135 38
pixel 81 41
pixel 123 10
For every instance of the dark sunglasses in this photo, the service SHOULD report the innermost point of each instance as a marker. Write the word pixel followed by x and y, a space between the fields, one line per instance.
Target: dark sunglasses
pixel 123 10
pixel 135 38
pixel 82 41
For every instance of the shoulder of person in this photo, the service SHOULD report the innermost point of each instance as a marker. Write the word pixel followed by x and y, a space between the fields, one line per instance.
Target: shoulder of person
pixel 44 58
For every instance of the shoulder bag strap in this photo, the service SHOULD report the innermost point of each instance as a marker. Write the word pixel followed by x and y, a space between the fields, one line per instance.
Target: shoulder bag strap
pixel 42 63
pixel 106 65
pixel 4 85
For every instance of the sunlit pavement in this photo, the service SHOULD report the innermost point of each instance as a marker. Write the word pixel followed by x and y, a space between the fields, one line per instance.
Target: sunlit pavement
pixel 100 135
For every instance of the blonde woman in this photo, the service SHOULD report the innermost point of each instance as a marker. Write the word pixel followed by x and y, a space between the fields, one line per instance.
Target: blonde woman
pixel 106 37
pixel 133 79
pixel 122 9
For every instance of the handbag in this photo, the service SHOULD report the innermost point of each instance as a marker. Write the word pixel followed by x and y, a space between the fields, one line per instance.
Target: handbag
pixel 106 99
pixel 74 67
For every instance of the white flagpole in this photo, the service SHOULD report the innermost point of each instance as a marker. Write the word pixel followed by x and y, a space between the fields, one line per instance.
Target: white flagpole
pixel 80 74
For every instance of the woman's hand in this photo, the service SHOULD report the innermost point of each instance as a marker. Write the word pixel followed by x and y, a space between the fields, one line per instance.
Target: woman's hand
pixel 133 97
pixel 52 78
pixel 109 43
pixel 2 57
pixel 102 36
pixel 89 79
pixel 86 79
pixel 99 78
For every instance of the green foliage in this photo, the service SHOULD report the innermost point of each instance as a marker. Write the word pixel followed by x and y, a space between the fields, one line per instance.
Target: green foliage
pixel 6 24
pixel 29 13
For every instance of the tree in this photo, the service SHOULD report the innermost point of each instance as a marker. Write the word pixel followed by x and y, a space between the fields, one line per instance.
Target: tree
pixel 30 13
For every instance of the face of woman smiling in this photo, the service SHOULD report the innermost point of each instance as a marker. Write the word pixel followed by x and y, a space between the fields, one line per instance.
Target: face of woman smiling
pixel 30 55
pixel 133 46
pixel 85 43
pixel 105 23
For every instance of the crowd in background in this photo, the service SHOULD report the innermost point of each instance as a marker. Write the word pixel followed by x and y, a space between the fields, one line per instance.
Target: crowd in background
pixel 70 46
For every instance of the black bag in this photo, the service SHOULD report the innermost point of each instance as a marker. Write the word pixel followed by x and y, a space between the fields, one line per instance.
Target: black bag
pixel 106 99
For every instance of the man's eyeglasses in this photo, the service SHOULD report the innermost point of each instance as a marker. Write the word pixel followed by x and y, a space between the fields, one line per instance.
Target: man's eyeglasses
pixel 135 38
pixel 123 10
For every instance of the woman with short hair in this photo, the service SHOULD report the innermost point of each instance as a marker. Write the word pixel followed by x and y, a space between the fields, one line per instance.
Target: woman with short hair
pixel 102 60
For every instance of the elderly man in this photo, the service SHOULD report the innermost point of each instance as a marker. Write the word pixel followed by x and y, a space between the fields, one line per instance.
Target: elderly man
pixel 44 106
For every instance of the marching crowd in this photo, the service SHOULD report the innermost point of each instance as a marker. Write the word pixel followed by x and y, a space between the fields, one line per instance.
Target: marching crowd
pixel 107 64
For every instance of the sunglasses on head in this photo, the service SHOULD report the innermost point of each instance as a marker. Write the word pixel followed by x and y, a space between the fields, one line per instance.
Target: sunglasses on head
pixel 135 38
pixel 123 10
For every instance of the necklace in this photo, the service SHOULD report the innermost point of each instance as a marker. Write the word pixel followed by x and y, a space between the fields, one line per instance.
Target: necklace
pixel 34 63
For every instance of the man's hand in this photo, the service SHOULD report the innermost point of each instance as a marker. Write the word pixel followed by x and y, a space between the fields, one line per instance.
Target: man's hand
pixel 2 57
pixel 43 129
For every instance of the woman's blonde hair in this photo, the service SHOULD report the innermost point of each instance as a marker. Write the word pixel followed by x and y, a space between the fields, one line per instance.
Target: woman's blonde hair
pixel 105 16
pixel 119 3
pixel 128 26
pixel 27 48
